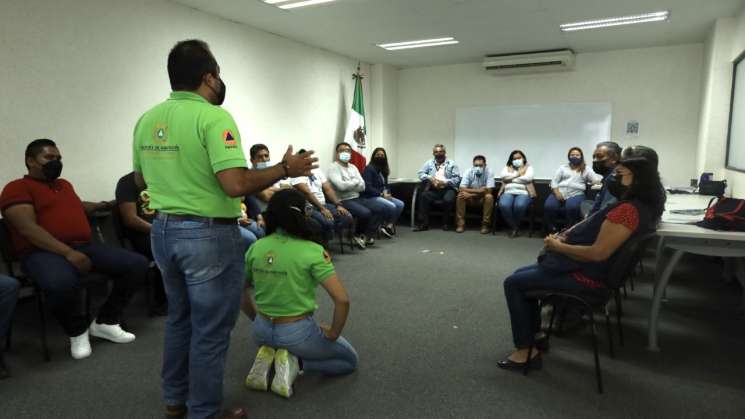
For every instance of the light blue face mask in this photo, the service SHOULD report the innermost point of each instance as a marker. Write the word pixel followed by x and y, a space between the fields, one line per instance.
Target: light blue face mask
pixel 517 163
pixel 478 170
pixel 262 165
pixel 345 157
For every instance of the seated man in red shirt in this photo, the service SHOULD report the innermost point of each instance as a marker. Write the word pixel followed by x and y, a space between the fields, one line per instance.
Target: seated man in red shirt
pixel 52 237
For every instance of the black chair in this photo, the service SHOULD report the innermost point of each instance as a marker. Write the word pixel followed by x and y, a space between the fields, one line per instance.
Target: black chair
pixel 590 301
pixel 420 189
pixel 123 241
pixel 87 281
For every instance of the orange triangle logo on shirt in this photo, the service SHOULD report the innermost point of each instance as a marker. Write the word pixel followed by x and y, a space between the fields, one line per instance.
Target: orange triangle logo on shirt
pixel 228 138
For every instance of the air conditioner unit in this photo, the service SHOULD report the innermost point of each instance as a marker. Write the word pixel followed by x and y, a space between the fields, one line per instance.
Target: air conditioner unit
pixel 530 62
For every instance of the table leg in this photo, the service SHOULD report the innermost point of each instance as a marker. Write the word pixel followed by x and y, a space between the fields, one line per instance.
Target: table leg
pixel 657 299
pixel 660 255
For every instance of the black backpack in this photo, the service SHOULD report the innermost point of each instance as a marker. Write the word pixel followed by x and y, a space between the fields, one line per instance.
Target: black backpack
pixel 725 214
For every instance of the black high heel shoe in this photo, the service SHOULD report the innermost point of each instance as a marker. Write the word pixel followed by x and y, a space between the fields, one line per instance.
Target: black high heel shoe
pixel 535 363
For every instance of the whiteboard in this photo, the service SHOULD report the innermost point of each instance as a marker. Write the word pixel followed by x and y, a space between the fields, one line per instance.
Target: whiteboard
pixel 544 132
pixel 736 135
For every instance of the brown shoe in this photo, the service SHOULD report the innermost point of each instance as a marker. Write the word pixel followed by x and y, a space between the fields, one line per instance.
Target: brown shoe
pixel 238 413
pixel 485 230
pixel 176 412
pixel 460 229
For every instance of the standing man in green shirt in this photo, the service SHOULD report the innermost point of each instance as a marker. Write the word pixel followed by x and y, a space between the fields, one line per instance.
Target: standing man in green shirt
pixel 187 150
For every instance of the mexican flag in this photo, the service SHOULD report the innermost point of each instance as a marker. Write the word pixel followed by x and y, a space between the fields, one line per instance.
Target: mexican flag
pixel 356 132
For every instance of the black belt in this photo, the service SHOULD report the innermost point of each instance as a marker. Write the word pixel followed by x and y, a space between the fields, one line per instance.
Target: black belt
pixel 185 217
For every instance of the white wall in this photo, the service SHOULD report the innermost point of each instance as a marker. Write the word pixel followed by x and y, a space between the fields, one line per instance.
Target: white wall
pixel 81 72
pixel 659 87
pixel 726 42
pixel 384 99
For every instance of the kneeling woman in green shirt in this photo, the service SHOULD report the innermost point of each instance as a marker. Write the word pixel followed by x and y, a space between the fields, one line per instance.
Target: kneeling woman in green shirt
pixel 285 268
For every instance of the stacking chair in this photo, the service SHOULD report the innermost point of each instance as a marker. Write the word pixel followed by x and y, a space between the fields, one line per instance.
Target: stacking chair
pixel 591 301
pixel 8 256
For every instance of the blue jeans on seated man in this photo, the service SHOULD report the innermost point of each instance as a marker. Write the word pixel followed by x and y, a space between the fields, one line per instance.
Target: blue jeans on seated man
pixel 202 266
pixel 513 207
pixel 60 281
pixel 525 314
pixel 554 211
pixel 328 227
pixel 250 233
pixel 305 340
pixel 368 217
pixel 8 297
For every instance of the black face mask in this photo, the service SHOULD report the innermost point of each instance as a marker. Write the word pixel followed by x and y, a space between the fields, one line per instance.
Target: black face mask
pixel 52 169
pixel 220 95
pixel 378 161
pixel 600 167
pixel 440 158
pixel 616 188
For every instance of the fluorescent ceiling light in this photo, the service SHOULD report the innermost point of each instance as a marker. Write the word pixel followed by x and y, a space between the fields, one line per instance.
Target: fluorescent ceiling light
pixel 422 43
pixel 616 21
pixel 291 4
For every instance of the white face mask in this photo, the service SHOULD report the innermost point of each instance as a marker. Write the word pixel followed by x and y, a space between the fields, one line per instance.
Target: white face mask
pixel 263 165
pixel 345 156
pixel 517 163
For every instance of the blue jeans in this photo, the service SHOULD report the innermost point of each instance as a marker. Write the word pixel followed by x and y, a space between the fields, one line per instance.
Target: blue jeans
pixel 513 207
pixel 8 297
pixel 305 340
pixel 250 233
pixel 369 215
pixel 60 281
pixel 525 315
pixel 553 211
pixel 392 208
pixel 202 266
pixel 328 227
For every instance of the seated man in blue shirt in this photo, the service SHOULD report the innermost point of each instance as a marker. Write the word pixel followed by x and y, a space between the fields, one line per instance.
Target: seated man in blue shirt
pixel 441 179
pixel 475 191
pixel 604 161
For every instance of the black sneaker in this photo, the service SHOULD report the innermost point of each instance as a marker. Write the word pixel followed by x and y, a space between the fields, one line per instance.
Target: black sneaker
pixel 422 227
pixel 384 231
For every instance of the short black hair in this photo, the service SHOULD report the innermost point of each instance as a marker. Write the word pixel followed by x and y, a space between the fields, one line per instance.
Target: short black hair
pixel 35 147
pixel 479 157
pixel 188 62
pixel 614 150
pixel 254 150
pixel 341 144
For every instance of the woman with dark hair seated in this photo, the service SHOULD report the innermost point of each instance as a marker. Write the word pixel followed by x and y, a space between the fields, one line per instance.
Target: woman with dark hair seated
pixel 285 268
pixel 376 189
pixel 580 258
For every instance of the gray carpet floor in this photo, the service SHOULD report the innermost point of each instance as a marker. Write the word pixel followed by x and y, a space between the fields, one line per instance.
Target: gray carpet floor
pixel 429 321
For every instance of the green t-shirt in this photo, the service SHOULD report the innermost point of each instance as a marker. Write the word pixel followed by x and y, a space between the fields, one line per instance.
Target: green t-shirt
pixel 285 272
pixel 179 146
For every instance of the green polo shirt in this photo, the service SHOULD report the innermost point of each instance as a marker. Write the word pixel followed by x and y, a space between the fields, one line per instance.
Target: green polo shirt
pixel 179 146
pixel 285 272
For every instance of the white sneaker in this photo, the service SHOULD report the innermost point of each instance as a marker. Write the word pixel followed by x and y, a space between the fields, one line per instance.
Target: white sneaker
pixel 80 346
pixel 359 241
pixel 258 377
pixel 286 368
pixel 111 332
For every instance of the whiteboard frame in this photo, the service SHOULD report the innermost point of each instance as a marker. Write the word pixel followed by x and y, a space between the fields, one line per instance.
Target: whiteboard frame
pixel 727 164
